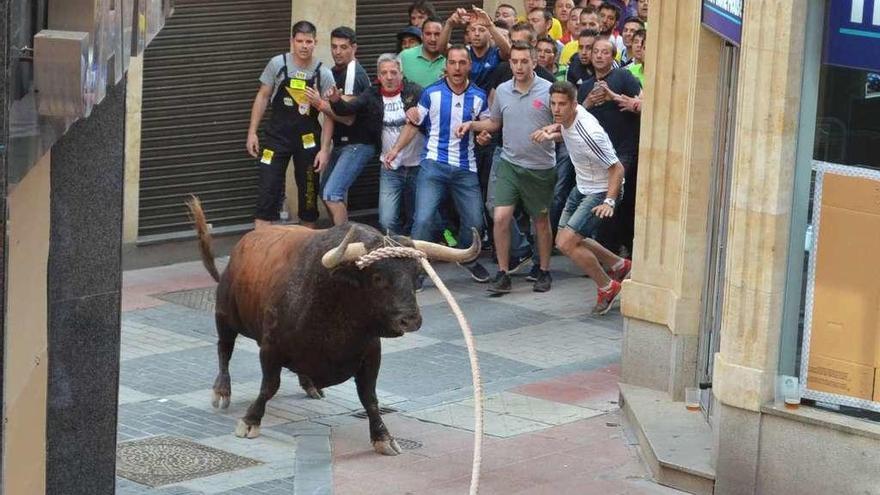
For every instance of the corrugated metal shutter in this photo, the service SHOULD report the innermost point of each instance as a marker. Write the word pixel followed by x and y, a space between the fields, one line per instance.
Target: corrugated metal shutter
pixel 200 78
pixel 378 22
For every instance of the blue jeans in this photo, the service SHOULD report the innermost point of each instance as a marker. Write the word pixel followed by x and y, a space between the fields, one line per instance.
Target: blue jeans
pixel 519 243
pixel 346 164
pixel 437 180
pixel 397 194
pixel 578 213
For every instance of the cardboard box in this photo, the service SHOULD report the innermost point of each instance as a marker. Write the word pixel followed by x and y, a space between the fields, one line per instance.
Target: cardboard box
pixel 845 333
pixel 877 385
pixel 841 377
pixel 846 297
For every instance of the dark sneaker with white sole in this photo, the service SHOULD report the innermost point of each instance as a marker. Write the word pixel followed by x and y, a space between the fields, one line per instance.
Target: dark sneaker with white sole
pixel 478 272
pixel 500 284
pixel 518 263
pixel 543 282
pixel 533 274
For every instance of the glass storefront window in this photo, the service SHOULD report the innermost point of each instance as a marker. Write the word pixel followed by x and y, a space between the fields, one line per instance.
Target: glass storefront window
pixel 848 117
pixel 831 329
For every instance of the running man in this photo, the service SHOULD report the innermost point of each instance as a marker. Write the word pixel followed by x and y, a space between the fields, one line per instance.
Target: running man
pixel 599 177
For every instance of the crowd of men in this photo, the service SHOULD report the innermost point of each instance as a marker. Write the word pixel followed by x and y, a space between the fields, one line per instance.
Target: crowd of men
pixel 526 134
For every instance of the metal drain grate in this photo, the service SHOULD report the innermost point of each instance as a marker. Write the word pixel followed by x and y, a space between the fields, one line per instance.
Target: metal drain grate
pixel 382 410
pixel 200 299
pixel 164 460
pixel 407 444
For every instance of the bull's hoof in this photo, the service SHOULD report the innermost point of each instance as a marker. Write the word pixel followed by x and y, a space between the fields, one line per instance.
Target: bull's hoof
pixel 219 401
pixel 244 430
pixel 315 393
pixel 386 447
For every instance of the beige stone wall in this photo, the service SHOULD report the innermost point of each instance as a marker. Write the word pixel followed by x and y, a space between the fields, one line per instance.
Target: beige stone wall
pixel 674 168
pixel 25 368
pixel 771 67
pixel 675 164
pixel 131 196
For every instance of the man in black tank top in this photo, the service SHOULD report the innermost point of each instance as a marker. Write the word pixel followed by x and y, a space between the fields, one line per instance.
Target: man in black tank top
pixel 293 130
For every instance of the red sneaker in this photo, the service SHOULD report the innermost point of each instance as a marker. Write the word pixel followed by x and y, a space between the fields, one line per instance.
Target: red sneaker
pixel 606 298
pixel 623 272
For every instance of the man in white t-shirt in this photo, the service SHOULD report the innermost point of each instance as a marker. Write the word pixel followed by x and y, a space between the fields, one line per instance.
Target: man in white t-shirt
pixel 599 180
pixel 386 104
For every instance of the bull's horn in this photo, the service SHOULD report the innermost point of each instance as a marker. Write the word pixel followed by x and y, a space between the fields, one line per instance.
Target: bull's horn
pixel 345 252
pixel 444 253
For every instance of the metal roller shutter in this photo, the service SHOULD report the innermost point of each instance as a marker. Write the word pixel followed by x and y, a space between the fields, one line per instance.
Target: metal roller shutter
pixel 378 22
pixel 200 78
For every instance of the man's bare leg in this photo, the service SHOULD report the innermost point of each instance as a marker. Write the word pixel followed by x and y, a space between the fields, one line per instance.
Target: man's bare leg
pixel 502 216
pixel 572 245
pixel 338 211
pixel 605 257
pixel 544 239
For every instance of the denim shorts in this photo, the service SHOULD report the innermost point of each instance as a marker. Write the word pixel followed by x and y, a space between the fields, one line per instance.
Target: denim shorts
pixel 578 213
pixel 346 164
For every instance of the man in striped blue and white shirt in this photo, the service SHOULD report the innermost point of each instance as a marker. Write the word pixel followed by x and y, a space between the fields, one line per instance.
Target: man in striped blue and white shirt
pixel 448 165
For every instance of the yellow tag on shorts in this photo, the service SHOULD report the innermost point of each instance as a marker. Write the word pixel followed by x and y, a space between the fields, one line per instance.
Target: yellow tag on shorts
pixel 267 156
pixel 308 141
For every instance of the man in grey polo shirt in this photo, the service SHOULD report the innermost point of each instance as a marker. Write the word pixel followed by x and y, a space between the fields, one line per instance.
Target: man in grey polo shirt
pixel 525 170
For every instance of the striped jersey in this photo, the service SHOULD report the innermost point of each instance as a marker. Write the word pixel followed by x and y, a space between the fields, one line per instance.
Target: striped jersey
pixel 591 152
pixel 441 111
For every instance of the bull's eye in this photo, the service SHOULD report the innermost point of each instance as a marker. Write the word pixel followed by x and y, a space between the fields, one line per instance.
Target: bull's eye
pixel 379 281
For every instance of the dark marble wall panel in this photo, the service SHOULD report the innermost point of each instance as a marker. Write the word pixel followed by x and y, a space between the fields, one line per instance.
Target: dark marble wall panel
pixel 84 292
pixel 4 142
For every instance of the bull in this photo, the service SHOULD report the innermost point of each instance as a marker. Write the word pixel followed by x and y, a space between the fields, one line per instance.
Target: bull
pixel 297 293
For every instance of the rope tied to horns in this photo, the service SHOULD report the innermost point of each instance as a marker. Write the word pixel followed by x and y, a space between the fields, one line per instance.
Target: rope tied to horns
pixel 394 250
pixel 387 252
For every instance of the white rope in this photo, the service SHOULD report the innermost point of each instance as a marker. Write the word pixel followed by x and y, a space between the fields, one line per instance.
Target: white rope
pixel 475 374
pixel 406 252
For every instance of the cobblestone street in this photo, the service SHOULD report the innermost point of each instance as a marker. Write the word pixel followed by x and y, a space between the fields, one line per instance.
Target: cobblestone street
pixel 551 414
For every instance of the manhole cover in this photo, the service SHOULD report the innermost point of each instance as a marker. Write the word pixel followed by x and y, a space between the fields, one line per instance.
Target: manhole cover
pixel 200 299
pixel 382 410
pixel 407 444
pixel 165 460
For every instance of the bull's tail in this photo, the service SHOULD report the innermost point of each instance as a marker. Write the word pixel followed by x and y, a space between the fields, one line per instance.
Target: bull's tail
pixel 201 226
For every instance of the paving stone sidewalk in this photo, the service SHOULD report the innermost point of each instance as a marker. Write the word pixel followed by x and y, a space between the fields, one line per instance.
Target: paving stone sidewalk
pixel 549 370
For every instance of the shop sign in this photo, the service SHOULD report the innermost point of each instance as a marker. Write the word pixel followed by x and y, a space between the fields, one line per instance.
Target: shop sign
pixel 724 17
pixel 852 38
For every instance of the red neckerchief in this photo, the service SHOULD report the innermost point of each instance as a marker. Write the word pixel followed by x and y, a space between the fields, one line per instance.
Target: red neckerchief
pixel 392 93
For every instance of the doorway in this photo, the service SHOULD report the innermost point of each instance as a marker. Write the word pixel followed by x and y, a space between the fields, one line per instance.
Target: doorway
pixel 719 201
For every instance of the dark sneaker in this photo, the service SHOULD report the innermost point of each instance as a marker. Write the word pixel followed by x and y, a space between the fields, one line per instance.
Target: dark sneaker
pixel 500 284
pixel 518 263
pixel 621 273
pixel 420 283
pixel 533 274
pixel 542 284
pixel 606 298
pixel 477 271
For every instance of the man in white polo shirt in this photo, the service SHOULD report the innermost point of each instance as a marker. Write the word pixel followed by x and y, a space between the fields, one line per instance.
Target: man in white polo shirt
pixel 599 177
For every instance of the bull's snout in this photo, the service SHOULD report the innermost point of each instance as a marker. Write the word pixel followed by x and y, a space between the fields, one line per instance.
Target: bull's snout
pixel 408 322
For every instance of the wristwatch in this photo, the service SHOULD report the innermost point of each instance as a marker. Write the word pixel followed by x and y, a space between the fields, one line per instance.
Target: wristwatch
pixel 610 202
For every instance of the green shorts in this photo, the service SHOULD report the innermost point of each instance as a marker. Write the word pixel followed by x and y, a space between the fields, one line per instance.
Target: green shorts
pixel 534 188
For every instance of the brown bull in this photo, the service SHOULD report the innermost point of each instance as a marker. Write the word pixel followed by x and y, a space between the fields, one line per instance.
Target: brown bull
pixel 297 293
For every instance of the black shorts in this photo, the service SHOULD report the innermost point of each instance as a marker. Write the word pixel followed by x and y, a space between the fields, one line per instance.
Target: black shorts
pixel 272 164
